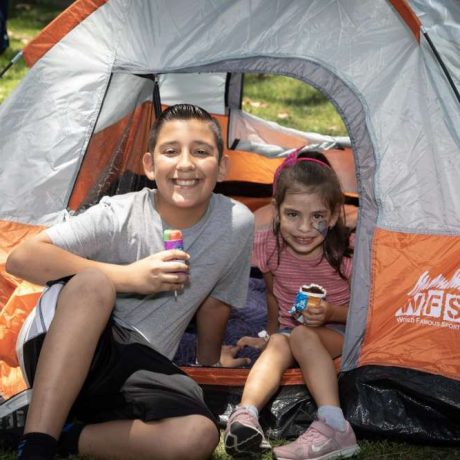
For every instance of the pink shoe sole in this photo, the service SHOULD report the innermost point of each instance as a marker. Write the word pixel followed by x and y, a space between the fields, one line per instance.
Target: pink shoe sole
pixel 342 453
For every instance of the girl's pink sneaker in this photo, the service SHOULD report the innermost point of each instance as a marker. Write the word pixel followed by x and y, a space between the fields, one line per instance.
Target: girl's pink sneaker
pixel 319 442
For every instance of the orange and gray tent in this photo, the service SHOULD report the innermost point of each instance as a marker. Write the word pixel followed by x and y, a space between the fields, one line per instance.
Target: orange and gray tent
pixel 76 126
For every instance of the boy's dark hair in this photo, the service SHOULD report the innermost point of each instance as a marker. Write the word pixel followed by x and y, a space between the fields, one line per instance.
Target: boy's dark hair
pixel 314 177
pixel 186 112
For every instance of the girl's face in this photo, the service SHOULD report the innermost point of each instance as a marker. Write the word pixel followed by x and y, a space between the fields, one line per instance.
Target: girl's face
pixel 304 222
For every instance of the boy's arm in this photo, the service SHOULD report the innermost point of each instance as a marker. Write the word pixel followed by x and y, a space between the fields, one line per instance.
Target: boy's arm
pixel 211 320
pixel 38 260
pixel 272 318
pixel 213 314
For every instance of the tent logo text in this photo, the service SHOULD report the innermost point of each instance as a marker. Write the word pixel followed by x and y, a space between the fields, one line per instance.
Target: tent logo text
pixel 433 302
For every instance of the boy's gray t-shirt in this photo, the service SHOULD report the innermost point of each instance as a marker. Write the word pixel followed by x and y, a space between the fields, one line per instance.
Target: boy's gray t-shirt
pixel 126 228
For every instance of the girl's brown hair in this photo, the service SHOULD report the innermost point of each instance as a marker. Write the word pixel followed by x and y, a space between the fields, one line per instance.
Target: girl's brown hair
pixel 316 176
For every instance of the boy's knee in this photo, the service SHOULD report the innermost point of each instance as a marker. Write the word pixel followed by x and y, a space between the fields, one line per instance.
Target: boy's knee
pixel 200 441
pixel 91 284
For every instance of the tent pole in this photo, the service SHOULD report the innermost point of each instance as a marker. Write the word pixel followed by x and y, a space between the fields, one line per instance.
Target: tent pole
pixel 11 63
pixel 156 97
pixel 441 63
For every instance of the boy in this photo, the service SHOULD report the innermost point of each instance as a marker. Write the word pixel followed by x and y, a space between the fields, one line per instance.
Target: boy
pixel 110 366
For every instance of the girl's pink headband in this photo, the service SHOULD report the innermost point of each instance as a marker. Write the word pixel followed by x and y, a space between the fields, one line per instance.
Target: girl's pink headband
pixel 291 160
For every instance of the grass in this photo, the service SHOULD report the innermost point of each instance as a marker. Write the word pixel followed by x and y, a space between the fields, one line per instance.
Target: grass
pixel 281 99
pixel 292 103
pixel 381 450
pixel 370 450
pixel 25 21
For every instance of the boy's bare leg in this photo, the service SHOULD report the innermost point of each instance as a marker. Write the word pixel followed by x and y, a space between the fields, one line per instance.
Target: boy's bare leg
pixel 265 376
pixel 84 306
pixel 191 437
pixel 313 349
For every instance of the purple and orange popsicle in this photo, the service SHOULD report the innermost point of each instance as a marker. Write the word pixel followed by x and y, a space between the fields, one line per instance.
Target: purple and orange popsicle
pixel 173 239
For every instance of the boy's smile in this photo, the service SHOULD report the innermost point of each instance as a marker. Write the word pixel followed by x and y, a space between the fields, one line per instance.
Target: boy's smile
pixel 186 168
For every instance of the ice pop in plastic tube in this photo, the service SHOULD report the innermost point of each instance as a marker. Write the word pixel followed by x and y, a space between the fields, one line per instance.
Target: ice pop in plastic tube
pixel 172 239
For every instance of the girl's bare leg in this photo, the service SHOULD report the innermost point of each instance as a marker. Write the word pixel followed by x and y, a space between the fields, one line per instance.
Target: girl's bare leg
pixel 265 376
pixel 84 306
pixel 314 349
pixel 191 437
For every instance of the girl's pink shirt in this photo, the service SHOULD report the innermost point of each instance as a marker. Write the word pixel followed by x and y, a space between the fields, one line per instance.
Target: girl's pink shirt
pixel 292 272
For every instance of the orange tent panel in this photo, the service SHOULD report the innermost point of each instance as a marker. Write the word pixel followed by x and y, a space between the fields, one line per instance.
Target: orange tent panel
pixel 17 300
pixel 414 307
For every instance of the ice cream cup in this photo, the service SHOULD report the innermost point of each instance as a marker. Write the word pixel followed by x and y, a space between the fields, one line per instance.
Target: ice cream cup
pixel 309 295
pixel 315 293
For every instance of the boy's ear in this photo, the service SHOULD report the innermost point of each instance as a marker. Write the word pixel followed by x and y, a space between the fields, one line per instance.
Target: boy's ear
pixel 223 167
pixel 147 161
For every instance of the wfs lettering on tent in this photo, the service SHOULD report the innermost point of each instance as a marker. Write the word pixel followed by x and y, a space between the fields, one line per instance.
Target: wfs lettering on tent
pixel 433 302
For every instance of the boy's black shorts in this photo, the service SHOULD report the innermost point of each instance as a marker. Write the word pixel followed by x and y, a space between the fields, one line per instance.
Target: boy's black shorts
pixel 127 378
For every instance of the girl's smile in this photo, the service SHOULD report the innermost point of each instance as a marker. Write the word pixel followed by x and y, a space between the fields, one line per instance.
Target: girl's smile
pixel 303 241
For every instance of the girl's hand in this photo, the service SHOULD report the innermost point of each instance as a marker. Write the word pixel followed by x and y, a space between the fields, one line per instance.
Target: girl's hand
pixel 163 271
pixel 254 342
pixel 317 316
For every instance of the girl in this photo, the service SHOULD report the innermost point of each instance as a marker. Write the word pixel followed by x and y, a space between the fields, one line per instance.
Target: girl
pixel 308 243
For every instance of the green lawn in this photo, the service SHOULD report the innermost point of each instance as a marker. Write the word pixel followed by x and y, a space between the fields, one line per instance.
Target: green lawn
pixel 291 103
pixel 24 23
pixel 383 450
pixel 281 99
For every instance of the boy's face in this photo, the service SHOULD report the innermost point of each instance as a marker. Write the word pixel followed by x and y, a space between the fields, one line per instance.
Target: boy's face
pixel 185 166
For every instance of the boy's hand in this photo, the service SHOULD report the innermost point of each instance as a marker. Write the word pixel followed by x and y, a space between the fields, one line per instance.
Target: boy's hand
pixel 317 316
pixel 227 357
pixel 163 271
pixel 255 342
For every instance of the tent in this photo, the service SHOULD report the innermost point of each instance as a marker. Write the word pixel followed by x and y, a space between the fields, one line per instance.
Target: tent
pixel 75 128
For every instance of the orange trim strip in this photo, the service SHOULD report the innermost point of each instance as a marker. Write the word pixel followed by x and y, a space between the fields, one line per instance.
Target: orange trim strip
pixel 408 15
pixel 226 376
pixel 58 28
pixel 223 376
